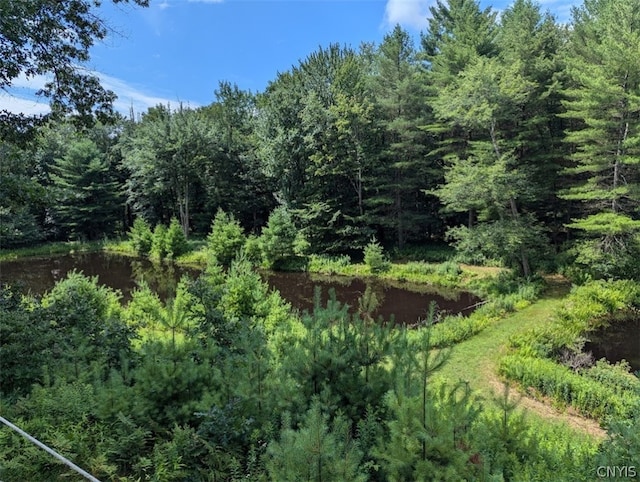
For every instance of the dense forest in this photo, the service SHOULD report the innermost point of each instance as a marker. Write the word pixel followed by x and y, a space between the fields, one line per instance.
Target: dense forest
pixel 511 138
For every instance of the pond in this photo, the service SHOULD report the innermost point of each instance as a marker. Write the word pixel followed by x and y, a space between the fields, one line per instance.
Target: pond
pixel 38 275
pixel 618 341
pixel 407 302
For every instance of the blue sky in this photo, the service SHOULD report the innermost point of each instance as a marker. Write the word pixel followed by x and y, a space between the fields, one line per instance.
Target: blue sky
pixel 177 50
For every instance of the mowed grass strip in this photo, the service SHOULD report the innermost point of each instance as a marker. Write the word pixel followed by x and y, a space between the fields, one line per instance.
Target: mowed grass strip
pixel 475 361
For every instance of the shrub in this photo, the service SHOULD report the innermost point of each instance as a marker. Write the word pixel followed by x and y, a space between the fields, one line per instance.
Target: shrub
pixel 19 227
pixel 252 249
pixel 159 242
pixel 454 329
pixel 226 238
pixel 175 240
pixel 281 242
pixel 141 237
pixel 617 376
pixel 374 257
pixel 590 397
pixel 87 320
pixel 448 268
pixel 328 264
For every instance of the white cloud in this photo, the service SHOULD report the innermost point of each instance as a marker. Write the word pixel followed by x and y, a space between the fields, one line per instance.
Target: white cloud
pixel 408 13
pixel 205 1
pixel 21 105
pixel 36 82
pixel 20 98
pixel 130 96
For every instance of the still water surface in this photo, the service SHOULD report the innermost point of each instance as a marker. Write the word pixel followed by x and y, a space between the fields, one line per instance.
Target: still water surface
pixel 123 273
pixel 619 341
pixel 407 303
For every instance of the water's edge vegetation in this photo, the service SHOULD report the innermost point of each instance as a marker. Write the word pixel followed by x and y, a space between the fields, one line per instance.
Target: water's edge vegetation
pixel 235 329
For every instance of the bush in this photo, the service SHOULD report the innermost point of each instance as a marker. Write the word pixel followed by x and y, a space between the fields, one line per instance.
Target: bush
pixel 87 319
pixel 225 239
pixel 159 242
pixel 281 242
pixel 175 240
pixel 589 396
pixel 328 264
pixel 601 391
pixel 618 376
pixel 252 249
pixel 374 257
pixel 19 227
pixel 448 268
pixel 141 237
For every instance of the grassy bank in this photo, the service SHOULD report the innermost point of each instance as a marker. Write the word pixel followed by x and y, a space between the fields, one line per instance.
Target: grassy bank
pixel 51 249
pixel 196 257
pixel 447 274
pixel 476 361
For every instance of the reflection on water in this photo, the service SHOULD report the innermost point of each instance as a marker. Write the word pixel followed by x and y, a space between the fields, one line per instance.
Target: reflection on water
pixel 119 272
pixel 406 305
pixel 124 274
pixel 619 341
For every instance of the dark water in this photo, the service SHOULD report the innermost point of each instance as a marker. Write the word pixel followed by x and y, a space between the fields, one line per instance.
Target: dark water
pixel 123 273
pixel 619 341
pixel 119 272
pixel 408 306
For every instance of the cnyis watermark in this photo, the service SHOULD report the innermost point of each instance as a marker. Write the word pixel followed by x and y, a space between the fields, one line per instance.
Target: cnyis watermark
pixel 618 471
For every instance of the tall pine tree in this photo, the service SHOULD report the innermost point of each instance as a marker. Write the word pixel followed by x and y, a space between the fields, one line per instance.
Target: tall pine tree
pixel 605 101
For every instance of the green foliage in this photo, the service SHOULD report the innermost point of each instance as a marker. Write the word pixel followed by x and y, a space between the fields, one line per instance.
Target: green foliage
pixel 282 243
pixel 328 264
pixel 193 388
pixel 437 253
pixel 316 451
pixel 603 98
pixel 502 240
pixel 252 249
pixel 429 437
pixel 618 376
pixel 18 227
pixel 86 319
pixel 374 257
pixel 588 396
pixel 22 326
pixel 175 240
pixel 341 358
pixel 604 258
pixel 603 391
pixel 622 445
pixel 141 237
pixel 88 200
pixel 159 242
pixel 226 238
pixel 243 289
pixel 72 89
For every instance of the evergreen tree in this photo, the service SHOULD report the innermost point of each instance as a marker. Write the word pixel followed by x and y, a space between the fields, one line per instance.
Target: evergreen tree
pixel 225 239
pixel 534 42
pixel 604 99
pixel 403 168
pixel 315 452
pixel 89 204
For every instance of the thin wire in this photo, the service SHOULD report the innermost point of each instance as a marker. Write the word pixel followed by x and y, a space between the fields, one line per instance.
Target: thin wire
pixel 67 462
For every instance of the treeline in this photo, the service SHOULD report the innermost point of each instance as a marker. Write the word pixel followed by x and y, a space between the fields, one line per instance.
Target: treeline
pixel 223 382
pixel 513 137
